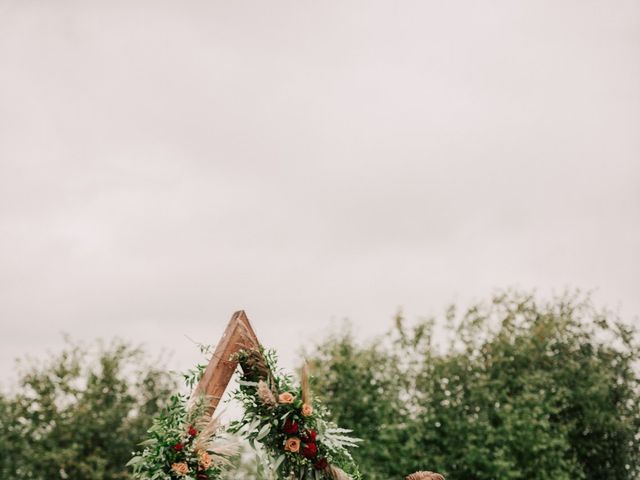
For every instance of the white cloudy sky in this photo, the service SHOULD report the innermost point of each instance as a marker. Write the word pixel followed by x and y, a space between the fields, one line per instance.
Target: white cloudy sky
pixel 163 163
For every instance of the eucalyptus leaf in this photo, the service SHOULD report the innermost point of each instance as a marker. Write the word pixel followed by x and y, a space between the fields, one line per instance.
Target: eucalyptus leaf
pixel 264 431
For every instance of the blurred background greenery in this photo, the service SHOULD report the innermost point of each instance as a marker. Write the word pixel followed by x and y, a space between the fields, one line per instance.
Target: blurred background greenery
pixel 511 388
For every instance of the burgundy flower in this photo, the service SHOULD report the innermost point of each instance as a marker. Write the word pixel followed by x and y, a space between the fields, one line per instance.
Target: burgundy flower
pixel 192 431
pixel 321 464
pixel 310 450
pixel 309 436
pixel 290 427
pixel 178 447
pixel 202 476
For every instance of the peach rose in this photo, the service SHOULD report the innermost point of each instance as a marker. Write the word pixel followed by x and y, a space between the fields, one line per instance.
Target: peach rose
pixel 205 460
pixel 307 410
pixel 180 468
pixel 292 444
pixel 285 397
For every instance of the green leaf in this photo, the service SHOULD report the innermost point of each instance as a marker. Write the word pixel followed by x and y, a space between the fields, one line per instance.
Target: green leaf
pixel 264 431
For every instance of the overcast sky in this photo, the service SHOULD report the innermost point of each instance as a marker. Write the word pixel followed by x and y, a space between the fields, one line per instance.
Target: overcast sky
pixel 164 163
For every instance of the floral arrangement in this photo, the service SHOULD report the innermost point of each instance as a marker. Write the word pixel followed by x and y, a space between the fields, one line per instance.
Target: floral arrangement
pixel 184 443
pixel 291 426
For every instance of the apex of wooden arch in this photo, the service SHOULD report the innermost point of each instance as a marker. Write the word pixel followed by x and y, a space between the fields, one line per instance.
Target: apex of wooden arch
pixel 238 335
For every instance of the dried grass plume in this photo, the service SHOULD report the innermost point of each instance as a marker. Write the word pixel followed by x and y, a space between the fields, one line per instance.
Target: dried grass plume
pixel 266 395
pixel 304 383
pixel 212 438
pixel 337 473
pixel 425 476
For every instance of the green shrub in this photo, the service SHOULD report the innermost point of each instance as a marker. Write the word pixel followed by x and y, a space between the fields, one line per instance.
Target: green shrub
pixel 522 390
pixel 80 414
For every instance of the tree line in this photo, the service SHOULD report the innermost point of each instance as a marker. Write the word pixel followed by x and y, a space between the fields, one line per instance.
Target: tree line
pixel 511 388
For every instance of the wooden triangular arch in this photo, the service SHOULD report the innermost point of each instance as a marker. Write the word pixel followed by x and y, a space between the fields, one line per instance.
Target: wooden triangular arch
pixel 238 335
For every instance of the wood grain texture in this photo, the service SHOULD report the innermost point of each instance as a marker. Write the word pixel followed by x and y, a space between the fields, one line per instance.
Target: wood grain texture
pixel 238 335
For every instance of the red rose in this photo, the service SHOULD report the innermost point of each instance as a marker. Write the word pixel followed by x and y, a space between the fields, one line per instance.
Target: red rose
pixel 321 464
pixel 310 436
pixel 290 427
pixel 202 476
pixel 178 447
pixel 192 431
pixel 310 450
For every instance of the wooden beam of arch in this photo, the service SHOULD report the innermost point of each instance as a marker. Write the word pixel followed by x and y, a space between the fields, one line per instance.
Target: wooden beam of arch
pixel 238 335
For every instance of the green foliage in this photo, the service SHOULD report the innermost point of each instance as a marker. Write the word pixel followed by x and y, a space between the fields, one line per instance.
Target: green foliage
pixel 81 414
pixel 291 426
pixel 517 390
pixel 184 442
pixel 363 389
pixel 523 390
pixel 180 437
